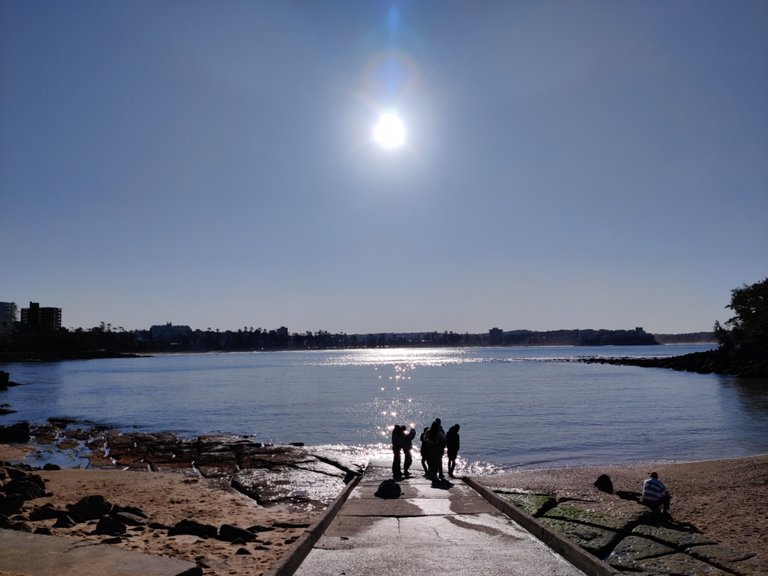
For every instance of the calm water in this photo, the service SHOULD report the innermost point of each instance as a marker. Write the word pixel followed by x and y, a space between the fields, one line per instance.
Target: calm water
pixel 516 406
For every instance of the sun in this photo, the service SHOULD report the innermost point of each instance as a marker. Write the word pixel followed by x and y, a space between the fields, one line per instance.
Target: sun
pixel 389 131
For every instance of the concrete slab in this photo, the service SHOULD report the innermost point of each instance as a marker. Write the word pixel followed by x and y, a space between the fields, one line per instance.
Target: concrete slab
pixel 36 555
pixel 428 530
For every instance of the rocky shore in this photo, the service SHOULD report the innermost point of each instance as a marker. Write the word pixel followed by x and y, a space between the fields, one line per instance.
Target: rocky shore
pixel 233 505
pixel 229 504
pixel 711 362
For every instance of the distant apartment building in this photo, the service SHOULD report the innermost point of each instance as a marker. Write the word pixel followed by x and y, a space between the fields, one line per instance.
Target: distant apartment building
pixel 169 333
pixel 7 316
pixel 43 319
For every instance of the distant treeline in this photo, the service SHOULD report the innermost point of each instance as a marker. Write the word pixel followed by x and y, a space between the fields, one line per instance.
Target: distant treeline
pixel 689 338
pixel 24 344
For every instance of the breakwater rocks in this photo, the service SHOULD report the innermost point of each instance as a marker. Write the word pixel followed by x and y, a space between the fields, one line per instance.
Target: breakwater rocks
pixel 711 362
pixel 631 538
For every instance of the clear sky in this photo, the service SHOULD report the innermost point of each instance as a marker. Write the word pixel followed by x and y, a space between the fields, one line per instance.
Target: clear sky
pixel 570 164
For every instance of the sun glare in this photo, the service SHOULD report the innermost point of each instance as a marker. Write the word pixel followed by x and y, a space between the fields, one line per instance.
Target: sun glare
pixel 389 131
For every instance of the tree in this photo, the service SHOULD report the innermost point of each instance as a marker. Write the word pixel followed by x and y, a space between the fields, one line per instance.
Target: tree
pixel 749 325
pixel 744 338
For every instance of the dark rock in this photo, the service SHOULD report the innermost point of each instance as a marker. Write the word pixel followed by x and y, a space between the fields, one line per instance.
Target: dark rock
pixel 193 528
pixel 129 518
pixel 18 433
pixel 158 526
pixel 290 525
pixel 115 540
pixel 64 521
pixel 50 467
pixel 11 504
pixel 21 526
pixel 110 525
pixel 91 507
pixel 14 472
pixel 242 552
pixel 44 530
pixel 29 487
pixel 45 512
pixel 61 422
pixel 5 522
pixel 131 510
pixel 259 528
pixel 230 533
pixel 604 484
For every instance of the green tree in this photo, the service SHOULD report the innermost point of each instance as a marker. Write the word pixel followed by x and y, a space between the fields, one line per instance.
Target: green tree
pixel 746 334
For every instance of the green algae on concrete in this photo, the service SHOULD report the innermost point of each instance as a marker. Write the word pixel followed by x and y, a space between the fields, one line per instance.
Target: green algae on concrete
pixel 594 514
pixel 533 504
pixel 595 540
pixel 676 564
pixel 633 549
pixel 676 538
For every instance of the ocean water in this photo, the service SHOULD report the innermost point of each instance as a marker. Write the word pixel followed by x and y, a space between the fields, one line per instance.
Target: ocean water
pixel 518 407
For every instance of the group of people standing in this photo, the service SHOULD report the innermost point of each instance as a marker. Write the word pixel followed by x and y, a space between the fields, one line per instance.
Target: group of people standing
pixel 434 443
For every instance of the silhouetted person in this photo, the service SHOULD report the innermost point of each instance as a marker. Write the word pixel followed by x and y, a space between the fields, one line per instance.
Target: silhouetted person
pixel 655 494
pixel 406 443
pixel 423 450
pixel 452 442
pixel 435 449
pixel 397 446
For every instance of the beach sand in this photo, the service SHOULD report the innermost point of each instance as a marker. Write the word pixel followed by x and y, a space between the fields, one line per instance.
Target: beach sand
pixel 724 499
pixel 168 498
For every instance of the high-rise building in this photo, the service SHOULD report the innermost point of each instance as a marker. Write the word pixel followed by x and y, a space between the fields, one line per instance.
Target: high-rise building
pixel 7 316
pixel 43 319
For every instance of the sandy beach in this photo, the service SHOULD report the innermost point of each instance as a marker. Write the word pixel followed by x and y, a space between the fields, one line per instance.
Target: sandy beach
pixel 168 498
pixel 725 499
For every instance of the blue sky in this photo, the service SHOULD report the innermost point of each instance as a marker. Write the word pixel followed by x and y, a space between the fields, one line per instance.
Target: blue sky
pixel 567 164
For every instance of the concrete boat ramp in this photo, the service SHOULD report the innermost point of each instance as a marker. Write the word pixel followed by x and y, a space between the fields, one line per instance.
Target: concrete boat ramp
pixel 427 529
pixel 412 527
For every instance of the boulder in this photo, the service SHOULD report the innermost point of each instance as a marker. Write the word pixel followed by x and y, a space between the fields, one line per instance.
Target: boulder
pixel 11 504
pixel 18 433
pixel 110 525
pixel 193 528
pixel 90 507
pixel 64 521
pixel 29 487
pixel 230 533
pixel 130 518
pixel 45 512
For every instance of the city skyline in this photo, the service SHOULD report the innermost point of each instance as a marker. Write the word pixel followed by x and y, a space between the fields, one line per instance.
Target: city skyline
pixel 368 167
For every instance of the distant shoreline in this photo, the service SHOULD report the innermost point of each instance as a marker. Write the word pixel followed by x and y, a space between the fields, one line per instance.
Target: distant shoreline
pixel 10 358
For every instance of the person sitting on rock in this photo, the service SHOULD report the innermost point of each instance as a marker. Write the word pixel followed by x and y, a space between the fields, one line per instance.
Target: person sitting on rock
pixel 655 494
